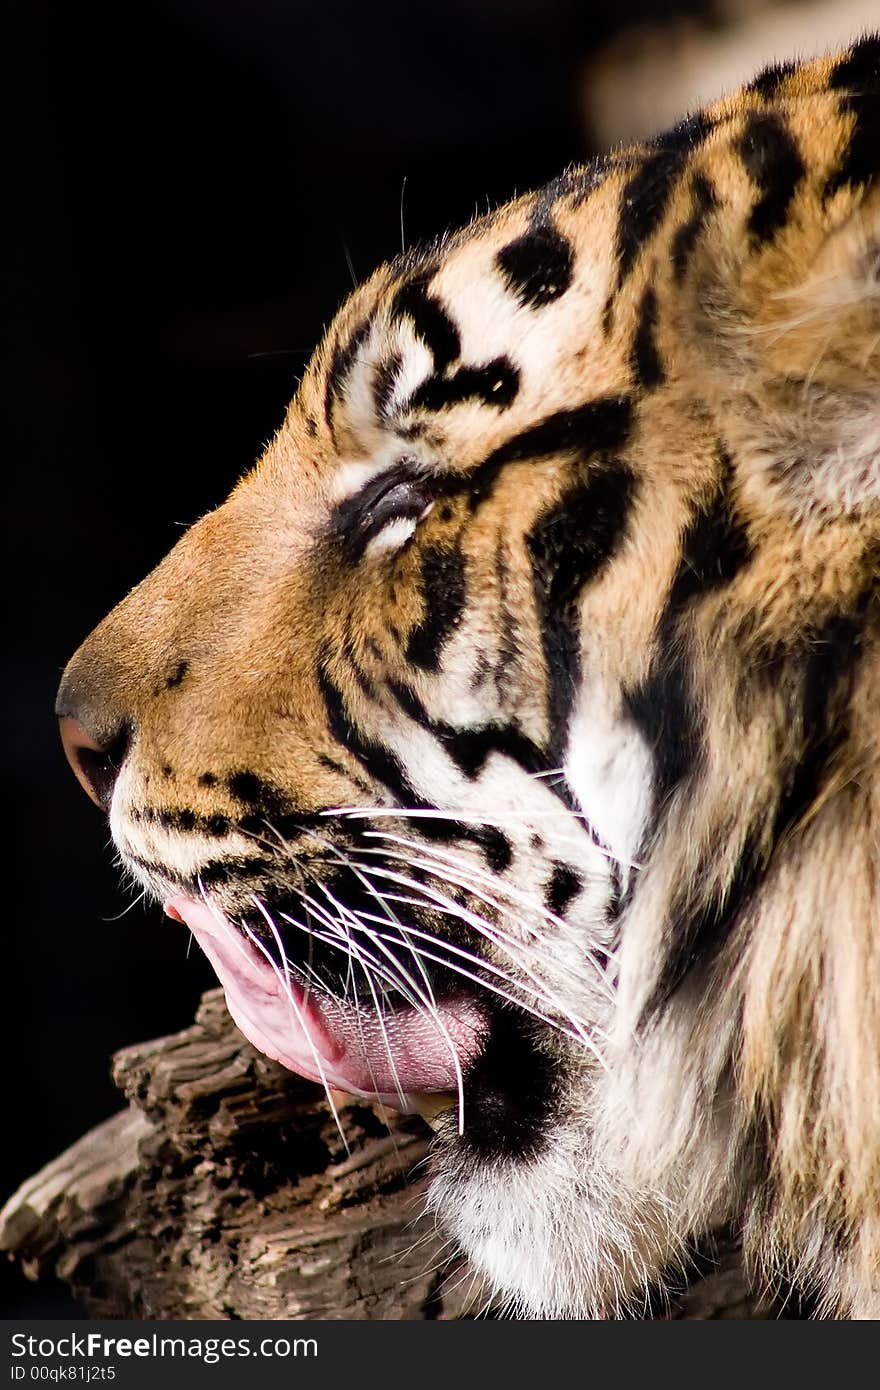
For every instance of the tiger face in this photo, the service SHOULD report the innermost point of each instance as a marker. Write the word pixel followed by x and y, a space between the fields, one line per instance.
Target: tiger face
pixel 509 738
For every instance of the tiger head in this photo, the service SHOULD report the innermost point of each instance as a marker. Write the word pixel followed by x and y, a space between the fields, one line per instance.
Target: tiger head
pixel 509 739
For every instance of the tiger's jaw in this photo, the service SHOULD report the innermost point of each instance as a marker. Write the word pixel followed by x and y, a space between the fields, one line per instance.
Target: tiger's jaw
pixel 511 1102
pixel 474 1075
pixel 393 1057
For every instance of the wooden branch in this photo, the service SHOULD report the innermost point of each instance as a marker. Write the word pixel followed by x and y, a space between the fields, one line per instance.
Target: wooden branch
pixel 225 1191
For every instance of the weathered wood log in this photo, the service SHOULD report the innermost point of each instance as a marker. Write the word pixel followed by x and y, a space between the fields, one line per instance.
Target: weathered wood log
pixel 226 1190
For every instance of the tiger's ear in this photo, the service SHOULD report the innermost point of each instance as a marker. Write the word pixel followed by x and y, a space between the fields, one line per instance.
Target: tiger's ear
pixel 787 327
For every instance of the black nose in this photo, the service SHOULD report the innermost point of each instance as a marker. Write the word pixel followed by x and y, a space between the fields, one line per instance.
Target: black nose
pixel 96 765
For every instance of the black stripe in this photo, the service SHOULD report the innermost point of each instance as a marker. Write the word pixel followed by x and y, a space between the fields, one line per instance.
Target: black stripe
pixel 663 710
pixel 332 765
pixel 430 320
pixel 537 267
pixel 569 545
pixel 768 82
pixel 833 654
pixel 270 818
pixel 378 761
pixel 685 239
pixel 714 548
pixel 772 161
pixel 341 364
pixel 183 820
pixel 859 71
pixel 645 358
pixel 860 162
pixel 350 655
pixel 384 767
pixel 443 596
pixel 157 870
pixel 563 885
pixel 496 384
pixel 575 184
pixel 384 382
pixel 599 427
pixel 700 930
pixel 687 135
pixel 814 678
pixel 255 791
pixel 469 748
pixel 496 847
pixel 508 640
pixel 644 200
pixel 236 871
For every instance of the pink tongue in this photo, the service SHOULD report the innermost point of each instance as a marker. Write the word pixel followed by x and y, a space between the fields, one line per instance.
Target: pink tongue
pixel 326 1039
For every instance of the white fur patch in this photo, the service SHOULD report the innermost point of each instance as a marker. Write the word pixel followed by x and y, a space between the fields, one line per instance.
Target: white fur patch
pixel 183 855
pixel 391 537
pixel 560 1236
pixel 349 478
pixel 608 766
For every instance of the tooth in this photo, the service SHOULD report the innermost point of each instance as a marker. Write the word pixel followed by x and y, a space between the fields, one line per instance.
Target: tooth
pixel 431 1105
pixel 342 1099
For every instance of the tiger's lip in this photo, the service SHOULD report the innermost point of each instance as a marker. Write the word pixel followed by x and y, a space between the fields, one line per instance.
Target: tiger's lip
pixel 409 1059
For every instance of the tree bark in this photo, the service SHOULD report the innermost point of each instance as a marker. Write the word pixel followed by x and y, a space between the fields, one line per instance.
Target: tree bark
pixel 226 1190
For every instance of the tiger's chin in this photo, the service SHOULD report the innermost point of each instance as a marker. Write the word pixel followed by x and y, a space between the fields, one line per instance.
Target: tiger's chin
pixel 557 1234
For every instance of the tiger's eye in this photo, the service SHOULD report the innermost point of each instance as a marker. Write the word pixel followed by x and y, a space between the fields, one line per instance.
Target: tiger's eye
pixel 403 499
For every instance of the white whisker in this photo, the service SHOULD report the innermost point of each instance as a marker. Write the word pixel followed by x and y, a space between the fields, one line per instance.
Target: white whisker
pixel 430 1004
pixel 480 819
pixel 486 930
pixel 437 863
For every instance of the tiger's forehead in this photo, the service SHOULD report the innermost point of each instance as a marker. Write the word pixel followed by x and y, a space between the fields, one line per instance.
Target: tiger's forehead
pixel 442 359
pixel 586 293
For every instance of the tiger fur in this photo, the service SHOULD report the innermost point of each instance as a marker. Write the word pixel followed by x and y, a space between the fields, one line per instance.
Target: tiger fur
pixel 549 623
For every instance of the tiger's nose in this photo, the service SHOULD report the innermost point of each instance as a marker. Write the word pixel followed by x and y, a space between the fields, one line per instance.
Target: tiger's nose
pixel 95 765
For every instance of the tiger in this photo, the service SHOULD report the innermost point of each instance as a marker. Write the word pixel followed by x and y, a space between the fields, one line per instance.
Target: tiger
pixel 509 739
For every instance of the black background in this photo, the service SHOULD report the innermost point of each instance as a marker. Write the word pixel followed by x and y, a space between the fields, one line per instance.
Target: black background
pixel 190 180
